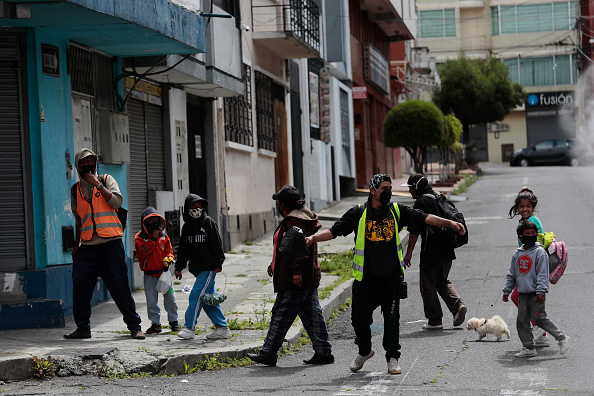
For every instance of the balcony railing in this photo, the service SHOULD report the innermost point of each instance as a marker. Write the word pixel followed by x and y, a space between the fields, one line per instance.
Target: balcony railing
pixel 300 18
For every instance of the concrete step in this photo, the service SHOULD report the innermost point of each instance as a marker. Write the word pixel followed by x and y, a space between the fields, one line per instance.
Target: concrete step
pixel 31 314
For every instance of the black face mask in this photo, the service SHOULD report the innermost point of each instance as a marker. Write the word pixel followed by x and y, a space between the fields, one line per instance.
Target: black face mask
pixel 87 168
pixel 385 196
pixel 150 228
pixel 529 241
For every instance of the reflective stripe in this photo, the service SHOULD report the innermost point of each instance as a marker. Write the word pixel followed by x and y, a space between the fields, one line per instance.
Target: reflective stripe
pixel 106 225
pixel 357 267
pixel 399 247
pixel 359 252
pixel 87 217
pixel 87 228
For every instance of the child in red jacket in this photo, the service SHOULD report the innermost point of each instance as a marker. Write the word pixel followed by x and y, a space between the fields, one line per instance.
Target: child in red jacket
pixel 155 253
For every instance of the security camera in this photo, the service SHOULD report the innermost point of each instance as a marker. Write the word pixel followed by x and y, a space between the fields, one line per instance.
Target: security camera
pixel 245 27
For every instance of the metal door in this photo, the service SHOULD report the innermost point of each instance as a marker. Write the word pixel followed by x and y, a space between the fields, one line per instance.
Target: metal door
pixel 296 132
pixel 196 147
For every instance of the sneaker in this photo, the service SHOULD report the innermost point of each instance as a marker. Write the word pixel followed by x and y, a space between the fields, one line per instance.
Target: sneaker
pixel 394 367
pixel 427 326
pixel 186 334
pixel 138 335
pixel 460 315
pixel 564 345
pixel 174 326
pixel 526 353
pixel 359 361
pixel 78 334
pixel 154 329
pixel 320 359
pixel 220 333
pixel 263 358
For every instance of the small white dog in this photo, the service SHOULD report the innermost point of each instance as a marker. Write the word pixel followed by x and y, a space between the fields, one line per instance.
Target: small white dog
pixel 482 326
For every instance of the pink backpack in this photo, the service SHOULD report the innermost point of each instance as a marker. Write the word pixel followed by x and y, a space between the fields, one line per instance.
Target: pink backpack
pixel 557 260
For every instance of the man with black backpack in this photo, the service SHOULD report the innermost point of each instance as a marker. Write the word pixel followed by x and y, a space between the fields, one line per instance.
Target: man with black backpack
pixel 94 202
pixel 437 253
pixel 378 266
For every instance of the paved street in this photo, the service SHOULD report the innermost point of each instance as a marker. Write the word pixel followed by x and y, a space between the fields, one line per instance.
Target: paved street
pixel 451 361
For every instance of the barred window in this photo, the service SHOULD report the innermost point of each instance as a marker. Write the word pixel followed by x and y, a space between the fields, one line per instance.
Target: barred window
pixel 265 111
pixel 238 113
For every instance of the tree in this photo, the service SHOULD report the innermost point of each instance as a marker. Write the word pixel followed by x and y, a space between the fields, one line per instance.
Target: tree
pixel 450 144
pixel 477 92
pixel 414 125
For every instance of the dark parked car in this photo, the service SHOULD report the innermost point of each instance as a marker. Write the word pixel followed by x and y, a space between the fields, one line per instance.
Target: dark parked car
pixel 550 152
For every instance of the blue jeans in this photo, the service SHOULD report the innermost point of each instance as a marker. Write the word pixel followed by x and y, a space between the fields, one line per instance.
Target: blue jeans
pixel 205 284
pixel 152 301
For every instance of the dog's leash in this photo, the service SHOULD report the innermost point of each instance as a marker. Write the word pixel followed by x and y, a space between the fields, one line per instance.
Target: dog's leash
pixel 493 305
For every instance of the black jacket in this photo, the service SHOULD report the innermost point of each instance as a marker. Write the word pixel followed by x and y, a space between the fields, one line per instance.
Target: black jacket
pixel 200 242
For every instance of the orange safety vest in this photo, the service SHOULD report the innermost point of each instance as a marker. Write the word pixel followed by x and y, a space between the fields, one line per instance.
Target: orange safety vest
pixel 97 216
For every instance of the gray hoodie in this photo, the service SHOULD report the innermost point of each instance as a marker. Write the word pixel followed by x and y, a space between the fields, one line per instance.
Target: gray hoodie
pixel 529 271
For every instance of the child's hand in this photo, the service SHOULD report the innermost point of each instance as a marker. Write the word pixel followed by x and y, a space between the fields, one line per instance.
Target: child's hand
pixel 166 261
pixel 270 273
pixel 144 249
pixel 540 298
pixel 178 275
pixel 505 298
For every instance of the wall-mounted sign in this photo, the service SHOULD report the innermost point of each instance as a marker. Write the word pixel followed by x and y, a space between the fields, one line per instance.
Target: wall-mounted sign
pixel 50 60
pixel 359 92
pixel 376 68
pixel 145 91
pixel 550 100
pixel 314 100
pixel 325 104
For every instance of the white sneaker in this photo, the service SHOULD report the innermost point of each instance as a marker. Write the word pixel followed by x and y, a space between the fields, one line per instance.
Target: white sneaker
pixel 526 353
pixel 427 326
pixel 564 345
pixel 186 334
pixel 540 337
pixel 359 361
pixel 220 333
pixel 394 367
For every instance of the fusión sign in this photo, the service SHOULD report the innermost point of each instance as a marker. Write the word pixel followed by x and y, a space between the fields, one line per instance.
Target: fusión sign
pixel 550 100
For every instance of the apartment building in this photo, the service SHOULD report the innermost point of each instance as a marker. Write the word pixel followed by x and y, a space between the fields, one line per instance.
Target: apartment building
pixel 536 40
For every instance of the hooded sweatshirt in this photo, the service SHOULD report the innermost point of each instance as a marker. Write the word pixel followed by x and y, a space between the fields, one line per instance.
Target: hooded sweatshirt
pixel 200 243
pixel 87 190
pixel 151 262
pixel 529 271
pixel 307 267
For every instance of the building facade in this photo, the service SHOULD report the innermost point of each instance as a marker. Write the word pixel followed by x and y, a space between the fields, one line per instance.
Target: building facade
pixel 536 40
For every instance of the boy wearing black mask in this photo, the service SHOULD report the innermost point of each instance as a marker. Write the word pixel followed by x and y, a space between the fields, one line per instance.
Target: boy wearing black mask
pixel 154 252
pixel 378 265
pixel 529 271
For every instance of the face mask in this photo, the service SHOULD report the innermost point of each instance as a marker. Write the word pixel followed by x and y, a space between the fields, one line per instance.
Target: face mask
pixel 150 228
pixel 529 240
pixel 195 213
pixel 385 196
pixel 87 168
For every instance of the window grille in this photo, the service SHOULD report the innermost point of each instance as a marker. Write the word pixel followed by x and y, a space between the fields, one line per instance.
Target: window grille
pixel 238 113
pixel 265 111
pixel 91 74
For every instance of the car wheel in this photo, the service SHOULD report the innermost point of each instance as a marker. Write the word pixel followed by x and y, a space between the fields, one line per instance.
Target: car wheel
pixel 575 162
pixel 524 162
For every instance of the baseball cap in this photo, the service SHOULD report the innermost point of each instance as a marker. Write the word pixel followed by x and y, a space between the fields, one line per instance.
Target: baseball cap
pixel 287 194
pixel 412 180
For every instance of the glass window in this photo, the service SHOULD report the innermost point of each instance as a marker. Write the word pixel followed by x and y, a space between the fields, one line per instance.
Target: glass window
pixel 562 69
pixel 544 71
pixel 530 18
pixel 437 23
pixel 544 145
pixel 512 65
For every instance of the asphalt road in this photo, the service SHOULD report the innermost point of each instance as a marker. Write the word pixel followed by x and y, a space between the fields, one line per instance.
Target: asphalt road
pixel 451 361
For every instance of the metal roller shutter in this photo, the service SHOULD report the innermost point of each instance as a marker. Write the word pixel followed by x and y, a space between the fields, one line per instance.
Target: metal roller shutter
pixel 147 166
pixel 13 241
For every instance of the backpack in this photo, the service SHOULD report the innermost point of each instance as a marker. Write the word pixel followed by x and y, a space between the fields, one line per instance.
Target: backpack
pixel 448 210
pixel 121 212
pixel 558 257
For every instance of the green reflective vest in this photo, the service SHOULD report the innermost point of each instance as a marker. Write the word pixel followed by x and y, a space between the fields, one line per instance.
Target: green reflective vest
pixel 359 256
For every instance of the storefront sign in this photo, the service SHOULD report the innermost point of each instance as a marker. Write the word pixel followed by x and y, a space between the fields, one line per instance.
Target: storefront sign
pixel 325 104
pixel 542 100
pixel 314 101
pixel 50 58
pixel 145 91
pixel 359 92
pixel 376 67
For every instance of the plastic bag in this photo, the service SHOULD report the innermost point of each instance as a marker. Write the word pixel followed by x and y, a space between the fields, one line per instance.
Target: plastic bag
pixel 213 298
pixel 165 282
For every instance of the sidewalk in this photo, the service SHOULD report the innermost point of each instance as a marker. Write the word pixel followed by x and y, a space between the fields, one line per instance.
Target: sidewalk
pixel 250 296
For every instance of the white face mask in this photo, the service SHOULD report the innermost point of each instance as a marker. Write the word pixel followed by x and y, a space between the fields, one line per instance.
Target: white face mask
pixel 195 213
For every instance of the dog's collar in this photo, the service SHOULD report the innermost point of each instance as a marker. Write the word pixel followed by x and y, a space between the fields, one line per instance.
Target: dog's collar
pixel 484 323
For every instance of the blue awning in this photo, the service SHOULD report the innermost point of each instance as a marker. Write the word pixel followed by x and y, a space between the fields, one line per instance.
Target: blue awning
pixel 119 27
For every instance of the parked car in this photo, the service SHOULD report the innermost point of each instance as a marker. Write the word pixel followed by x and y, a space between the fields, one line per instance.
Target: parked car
pixel 550 152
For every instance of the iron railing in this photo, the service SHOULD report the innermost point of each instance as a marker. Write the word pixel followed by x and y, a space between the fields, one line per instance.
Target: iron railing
pixel 300 17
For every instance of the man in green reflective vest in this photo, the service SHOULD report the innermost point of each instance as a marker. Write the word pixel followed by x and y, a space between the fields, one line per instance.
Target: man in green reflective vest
pixel 378 265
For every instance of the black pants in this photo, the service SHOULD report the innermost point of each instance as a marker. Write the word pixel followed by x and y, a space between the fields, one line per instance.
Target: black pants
pixel 108 261
pixel 433 281
pixel 369 294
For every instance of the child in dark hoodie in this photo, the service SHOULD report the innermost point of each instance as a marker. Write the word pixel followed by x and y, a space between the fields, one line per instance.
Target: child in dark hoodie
pixel 200 245
pixel 155 253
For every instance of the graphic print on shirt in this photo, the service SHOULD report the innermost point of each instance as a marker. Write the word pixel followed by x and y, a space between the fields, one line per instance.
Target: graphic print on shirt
pixel 525 264
pixel 380 231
